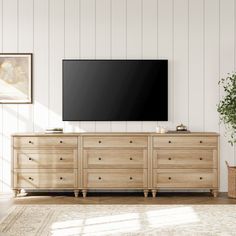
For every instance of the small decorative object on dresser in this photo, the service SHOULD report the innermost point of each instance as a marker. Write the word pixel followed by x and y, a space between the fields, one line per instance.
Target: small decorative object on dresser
pixel 118 161
pixel 181 127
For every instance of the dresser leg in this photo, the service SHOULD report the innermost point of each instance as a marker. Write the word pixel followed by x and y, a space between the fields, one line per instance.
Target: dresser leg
pixel 145 192
pixel 76 192
pixel 214 192
pixel 15 192
pixel 84 192
pixel 154 192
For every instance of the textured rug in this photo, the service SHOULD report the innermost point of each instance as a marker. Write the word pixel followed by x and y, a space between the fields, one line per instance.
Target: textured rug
pixel 59 220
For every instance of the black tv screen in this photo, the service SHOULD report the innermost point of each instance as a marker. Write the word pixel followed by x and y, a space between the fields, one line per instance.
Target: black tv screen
pixel 115 90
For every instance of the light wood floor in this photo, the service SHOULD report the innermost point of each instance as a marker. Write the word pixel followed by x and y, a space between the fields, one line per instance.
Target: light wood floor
pixel 6 201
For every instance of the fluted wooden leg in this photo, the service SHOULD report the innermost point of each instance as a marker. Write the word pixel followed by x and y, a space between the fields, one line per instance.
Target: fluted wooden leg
pixel 214 192
pixel 15 192
pixel 76 192
pixel 154 192
pixel 145 192
pixel 84 192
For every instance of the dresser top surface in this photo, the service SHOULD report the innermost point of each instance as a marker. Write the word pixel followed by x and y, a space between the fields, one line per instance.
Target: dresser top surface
pixel 42 134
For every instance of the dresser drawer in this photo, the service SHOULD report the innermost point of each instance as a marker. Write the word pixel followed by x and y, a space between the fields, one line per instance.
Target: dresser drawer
pixel 30 158
pixel 111 141
pixel 50 178
pixel 175 158
pixel 182 141
pixel 125 178
pixel 185 178
pixel 115 158
pixel 30 142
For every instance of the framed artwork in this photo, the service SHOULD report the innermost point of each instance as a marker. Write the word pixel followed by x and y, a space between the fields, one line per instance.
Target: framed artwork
pixel 16 78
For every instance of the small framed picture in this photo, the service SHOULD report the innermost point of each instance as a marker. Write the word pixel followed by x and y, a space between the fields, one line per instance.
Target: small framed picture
pixel 16 78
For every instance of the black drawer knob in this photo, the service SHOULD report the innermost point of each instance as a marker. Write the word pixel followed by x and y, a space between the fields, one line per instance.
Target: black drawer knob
pixel 99 158
pixel 61 141
pixel 200 158
pixel 99 178
pixel 30 178
pixel 169 158
pixel 169 178
pixel 99 141
pixel 131 158
pixel 61 158
pixel 30 141
pixel 200 178
pixel 61 178
pixel 30 159
pixel 130 178
pixel 200 141
pixel 169 141
pixel 130 141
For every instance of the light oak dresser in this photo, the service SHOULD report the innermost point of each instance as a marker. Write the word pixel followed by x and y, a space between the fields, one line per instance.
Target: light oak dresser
pixel 115 161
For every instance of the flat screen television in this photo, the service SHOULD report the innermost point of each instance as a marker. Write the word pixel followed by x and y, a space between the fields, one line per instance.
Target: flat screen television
pixel 115 90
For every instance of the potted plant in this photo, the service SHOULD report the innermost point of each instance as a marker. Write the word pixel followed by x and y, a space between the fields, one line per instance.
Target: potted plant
pixel 227 111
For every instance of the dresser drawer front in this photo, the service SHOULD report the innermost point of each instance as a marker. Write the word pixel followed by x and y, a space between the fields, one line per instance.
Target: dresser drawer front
pixel 30 158
pixel 192 178
pixel 182 141
pixel 115 158
pixel 31 179
pixel 129 178
pixel 111 141
pixel 185 158
pixel 31 142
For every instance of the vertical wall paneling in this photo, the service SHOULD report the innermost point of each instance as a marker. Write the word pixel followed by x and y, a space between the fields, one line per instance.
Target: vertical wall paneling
pixel 72 44
pixel 118 43
pixel 41 65
pixel 149 41
pixel 87 41
pixel 10 111
pixel 134 42
pixel 211 55
pixel 196 65
pixel 103 43
pixel 165 49
pixel 1 106
pixel 25 45
pixel 56 55
pixel 226 66
pixel 180 63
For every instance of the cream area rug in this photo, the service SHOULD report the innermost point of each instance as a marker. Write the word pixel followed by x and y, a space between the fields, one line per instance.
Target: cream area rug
pixel 59 220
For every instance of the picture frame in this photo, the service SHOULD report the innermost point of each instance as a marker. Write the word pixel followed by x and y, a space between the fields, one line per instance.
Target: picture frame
pixel 16 78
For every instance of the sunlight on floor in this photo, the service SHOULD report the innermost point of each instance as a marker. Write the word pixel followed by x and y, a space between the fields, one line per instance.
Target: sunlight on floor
pixel 125 223
pixel 98 225
pixel 174 216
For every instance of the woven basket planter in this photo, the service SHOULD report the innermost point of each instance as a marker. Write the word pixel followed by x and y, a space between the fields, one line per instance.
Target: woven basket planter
pixel 231 181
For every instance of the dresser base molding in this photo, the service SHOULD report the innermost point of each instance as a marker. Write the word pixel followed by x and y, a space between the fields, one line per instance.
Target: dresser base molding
pixel 83 162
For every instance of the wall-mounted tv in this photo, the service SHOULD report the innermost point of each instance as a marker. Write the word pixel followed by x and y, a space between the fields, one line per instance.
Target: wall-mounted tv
pixel 115 90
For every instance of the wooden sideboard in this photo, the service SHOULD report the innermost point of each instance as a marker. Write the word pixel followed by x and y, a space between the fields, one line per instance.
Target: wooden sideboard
pixel 117 161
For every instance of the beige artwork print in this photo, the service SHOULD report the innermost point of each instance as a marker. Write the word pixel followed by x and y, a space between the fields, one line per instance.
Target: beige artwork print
pixel 14 79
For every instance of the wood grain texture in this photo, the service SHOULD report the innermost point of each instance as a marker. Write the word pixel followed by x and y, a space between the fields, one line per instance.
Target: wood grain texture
pixel 31 142
pixel 184 178
pixel 45 178
pixel 115 178
pixel 45 158
pixel 115 158
pixel 113 141
pixel 183 158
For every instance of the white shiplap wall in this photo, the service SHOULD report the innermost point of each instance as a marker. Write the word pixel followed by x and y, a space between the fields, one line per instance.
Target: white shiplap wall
pixel 196 36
